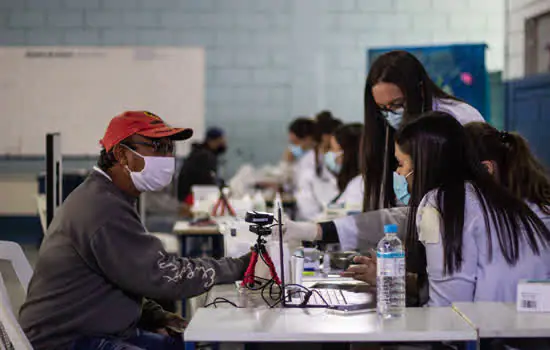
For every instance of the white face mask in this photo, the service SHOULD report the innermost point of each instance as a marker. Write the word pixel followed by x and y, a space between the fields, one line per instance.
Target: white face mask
pixel 394 118
pixel 156 174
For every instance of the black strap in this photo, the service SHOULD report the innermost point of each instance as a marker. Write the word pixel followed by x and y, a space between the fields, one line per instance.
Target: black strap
pixel 329 232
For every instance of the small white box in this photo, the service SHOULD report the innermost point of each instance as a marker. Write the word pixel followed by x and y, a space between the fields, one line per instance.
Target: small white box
pixel 533 296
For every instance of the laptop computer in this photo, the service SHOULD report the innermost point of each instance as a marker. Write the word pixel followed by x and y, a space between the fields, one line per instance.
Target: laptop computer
pixel 322 294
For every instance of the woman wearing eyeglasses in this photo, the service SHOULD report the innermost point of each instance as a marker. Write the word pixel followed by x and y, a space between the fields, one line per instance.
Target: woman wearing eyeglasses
pixel 398 89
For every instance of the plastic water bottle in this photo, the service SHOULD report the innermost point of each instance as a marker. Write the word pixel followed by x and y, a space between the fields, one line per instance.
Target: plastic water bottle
pixel 390 276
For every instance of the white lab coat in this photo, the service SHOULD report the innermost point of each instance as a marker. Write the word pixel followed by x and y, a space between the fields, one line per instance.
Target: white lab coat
pixel 353 193
pixel 313 192
pixel 302 165
pixel 363 231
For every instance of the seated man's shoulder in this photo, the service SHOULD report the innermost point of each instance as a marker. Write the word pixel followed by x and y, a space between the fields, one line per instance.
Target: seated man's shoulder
pixel 92 207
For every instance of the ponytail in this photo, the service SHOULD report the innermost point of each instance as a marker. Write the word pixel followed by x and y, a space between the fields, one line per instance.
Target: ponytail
pixel 517 168
pixel 526 177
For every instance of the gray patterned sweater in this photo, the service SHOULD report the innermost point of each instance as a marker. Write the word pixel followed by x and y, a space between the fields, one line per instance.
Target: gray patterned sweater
pixel 96 265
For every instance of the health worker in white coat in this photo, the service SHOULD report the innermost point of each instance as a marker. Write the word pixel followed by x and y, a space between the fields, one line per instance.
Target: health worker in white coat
pixel 397 89
pixel 300 154
pixel 342 159
pixel 316 186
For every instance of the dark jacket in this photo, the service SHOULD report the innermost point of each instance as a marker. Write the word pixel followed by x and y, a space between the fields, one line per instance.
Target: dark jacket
pixel 98 263
pixel 197 169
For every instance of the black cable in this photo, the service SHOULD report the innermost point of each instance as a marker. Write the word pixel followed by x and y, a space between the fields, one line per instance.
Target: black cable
pixel 256 278
pixel 290 293
pixel 220 300
pixel 262 294
pixel 279 293
pixel 320 296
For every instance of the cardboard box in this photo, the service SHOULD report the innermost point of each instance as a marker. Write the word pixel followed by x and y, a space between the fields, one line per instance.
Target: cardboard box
pixel 533 296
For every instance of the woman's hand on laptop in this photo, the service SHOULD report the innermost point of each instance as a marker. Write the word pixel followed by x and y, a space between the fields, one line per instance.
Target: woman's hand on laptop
pixel 364 270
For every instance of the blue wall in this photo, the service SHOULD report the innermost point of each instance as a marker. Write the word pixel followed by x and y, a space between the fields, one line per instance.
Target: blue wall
pixel 528 112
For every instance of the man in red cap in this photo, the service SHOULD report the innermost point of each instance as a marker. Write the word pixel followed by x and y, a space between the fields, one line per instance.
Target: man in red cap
pixel 97 263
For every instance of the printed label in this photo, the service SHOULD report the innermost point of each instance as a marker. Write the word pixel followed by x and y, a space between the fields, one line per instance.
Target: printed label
pixel 390 264
pixel 529 301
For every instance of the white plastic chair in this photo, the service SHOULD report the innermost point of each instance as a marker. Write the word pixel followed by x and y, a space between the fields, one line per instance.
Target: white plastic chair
pixel 13 330
pixel 13 252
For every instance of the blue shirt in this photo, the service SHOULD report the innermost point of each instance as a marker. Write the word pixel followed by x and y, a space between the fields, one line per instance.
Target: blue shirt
pixel 479 279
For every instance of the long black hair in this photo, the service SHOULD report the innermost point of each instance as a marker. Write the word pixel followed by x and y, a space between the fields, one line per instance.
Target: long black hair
pixel 444 160
pixel 325 124
pixel 348 137
pixel 517 167
pixel 404 70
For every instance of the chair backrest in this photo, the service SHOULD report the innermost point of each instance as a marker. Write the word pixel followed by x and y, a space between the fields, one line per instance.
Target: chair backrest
pixel 9 323
pixel 41 206
pixel 13 252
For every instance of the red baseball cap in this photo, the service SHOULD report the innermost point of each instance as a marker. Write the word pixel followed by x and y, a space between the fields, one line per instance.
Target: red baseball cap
pixel 142 123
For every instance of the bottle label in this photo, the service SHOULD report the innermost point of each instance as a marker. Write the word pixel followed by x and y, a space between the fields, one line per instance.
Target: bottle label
pixel 390 264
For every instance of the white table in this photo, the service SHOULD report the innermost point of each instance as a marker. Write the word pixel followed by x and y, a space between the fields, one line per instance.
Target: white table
pixel 501 320
pixel 255 322
pixel 183 230
pixel 318 325
pixel 250 299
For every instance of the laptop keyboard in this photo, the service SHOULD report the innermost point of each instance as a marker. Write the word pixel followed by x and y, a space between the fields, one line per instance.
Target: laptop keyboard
pixel 331 296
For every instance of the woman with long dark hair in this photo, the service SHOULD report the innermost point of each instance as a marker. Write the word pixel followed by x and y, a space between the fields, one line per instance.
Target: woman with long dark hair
pixel 467 235
pixel 343 160
pixel 398 89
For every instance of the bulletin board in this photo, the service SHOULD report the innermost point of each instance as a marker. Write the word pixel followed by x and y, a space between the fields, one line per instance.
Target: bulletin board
pixel 77 90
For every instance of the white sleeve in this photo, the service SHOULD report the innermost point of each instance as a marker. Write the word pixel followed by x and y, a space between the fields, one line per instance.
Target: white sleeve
pixel 314 193
pixel 307 204
pixel 347 232
pixel 354 192
pixel 462 112
pixel 364 231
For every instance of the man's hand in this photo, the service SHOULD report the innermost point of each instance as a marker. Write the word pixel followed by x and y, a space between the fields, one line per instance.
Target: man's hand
pixel 173 325
pixel 364 271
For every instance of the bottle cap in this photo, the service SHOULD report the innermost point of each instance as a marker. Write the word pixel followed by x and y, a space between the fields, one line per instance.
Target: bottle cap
pixel 392 228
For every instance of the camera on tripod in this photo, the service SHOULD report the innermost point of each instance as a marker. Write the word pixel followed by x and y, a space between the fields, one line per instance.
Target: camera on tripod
pixel 261 222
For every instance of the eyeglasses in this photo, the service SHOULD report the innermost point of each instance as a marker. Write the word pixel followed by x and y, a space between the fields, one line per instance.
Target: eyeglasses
pixel 391 108
pixel 158 146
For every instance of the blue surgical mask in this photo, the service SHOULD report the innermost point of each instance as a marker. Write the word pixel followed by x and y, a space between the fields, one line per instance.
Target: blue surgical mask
pixel 401 187
pixel 394 118
pixel 330 161
pixel 296 150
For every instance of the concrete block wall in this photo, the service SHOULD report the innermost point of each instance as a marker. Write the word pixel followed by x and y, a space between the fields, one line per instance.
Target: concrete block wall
pixel 267 60
pixel 517 12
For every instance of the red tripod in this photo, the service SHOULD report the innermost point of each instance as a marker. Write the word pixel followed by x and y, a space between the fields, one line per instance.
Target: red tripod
pixel 259 251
